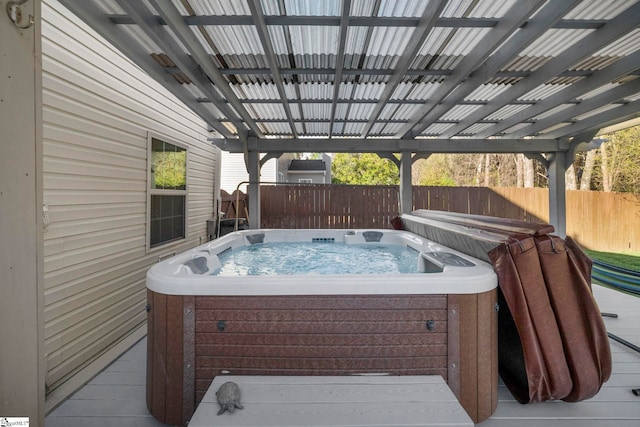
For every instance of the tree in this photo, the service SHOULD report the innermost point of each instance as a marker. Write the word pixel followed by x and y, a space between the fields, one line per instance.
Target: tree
pixel 587 171
pixel 622 160
pixel 363 169
pixel 433 171
pixel 614 166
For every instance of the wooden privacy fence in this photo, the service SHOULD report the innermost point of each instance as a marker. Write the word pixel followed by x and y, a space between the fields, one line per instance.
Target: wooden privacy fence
pixel 600 221
pixel 328 206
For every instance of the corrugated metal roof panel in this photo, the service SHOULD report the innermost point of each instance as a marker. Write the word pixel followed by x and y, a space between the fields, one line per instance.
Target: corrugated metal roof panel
pixel 476 128
pixel 459 112
pixel 593 63
pixel 435 62
pixel 256 91
pixel 506 111
pixel 313 40
pixel 316 90
pixel 368 91
pixel 479 9
pixel 378 128
pixel 317 128
pixel 553 128
pixel 314 61
pixel 598 9
pixel 267 111
pixel 235 39
pixel 277 128
pixel 625 45
pixel 541 92
pixel 355 41
pixel 436 129
pixel 218 7
pixel 244 61
pixel 465 40
pixel 401 8
pixel 597 91
pixel 313 7
pixel 362 8
pixel 405 111
pixel 596 111
pixel 346 90
pixel 401 91
pixel 360 111
pixel 316 111
pixel 390 129
pixel 486 92
pixel 341 111
pixel 554 41
pixel 515 128
pixel 278 40
pixel 269 7
pixel 553 111
pixel 389 41
pixel 352 128
pixel 422 90
pixel 451 42
pixel 306 78
pixel 388 111
pixel 435 41
pixel 526 63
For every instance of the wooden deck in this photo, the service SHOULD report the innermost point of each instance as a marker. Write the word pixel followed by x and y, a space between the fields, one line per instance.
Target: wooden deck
pixel 117 395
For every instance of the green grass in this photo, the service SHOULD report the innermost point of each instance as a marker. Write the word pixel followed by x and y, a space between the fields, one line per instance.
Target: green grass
pixel 630 261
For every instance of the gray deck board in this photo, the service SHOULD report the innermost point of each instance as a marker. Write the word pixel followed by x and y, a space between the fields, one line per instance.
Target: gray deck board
pixel 117 395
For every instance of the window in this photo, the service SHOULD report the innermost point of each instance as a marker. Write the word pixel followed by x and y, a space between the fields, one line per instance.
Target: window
pixel 167 192
pixel 305 181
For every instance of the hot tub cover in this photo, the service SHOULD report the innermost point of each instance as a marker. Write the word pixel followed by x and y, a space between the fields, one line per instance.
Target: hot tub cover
pixel 552 341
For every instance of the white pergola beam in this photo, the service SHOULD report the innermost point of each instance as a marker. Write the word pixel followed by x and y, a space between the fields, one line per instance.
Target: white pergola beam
pixel 358 145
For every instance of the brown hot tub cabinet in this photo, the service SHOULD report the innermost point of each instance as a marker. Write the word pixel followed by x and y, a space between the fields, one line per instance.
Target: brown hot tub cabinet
pixel 192 339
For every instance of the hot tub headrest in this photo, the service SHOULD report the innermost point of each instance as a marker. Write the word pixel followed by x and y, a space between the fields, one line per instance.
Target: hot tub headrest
pixel 372 236
pixel 198 265
pixel 255 238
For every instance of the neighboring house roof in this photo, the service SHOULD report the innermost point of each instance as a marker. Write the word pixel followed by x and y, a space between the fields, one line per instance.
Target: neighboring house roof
pixel 307 166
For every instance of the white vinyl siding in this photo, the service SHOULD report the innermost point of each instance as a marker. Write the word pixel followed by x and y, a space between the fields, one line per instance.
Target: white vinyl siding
pixel 234 172
pixel 98 109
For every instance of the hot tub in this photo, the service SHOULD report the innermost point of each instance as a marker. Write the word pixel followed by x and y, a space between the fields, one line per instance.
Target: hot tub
pixel 440 320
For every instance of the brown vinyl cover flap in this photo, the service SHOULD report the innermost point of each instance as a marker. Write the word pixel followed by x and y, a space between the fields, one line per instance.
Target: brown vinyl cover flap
pixel 584 336
pixel 523 288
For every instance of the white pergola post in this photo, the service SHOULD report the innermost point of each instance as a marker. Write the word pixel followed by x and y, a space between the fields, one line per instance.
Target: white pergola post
pixel 253 189
pixel 406 190
pixel 557 192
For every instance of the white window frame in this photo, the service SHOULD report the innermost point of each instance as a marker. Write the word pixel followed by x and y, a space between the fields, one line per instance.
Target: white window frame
pixel 155 191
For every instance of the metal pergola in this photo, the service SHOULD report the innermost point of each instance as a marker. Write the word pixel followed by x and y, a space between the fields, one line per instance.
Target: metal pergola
pixel 415 77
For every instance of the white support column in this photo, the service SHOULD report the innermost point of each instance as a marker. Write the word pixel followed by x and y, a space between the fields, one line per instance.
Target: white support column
pixel 557 193
pixel 406 190
pixel 22 364
pixel 253 167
